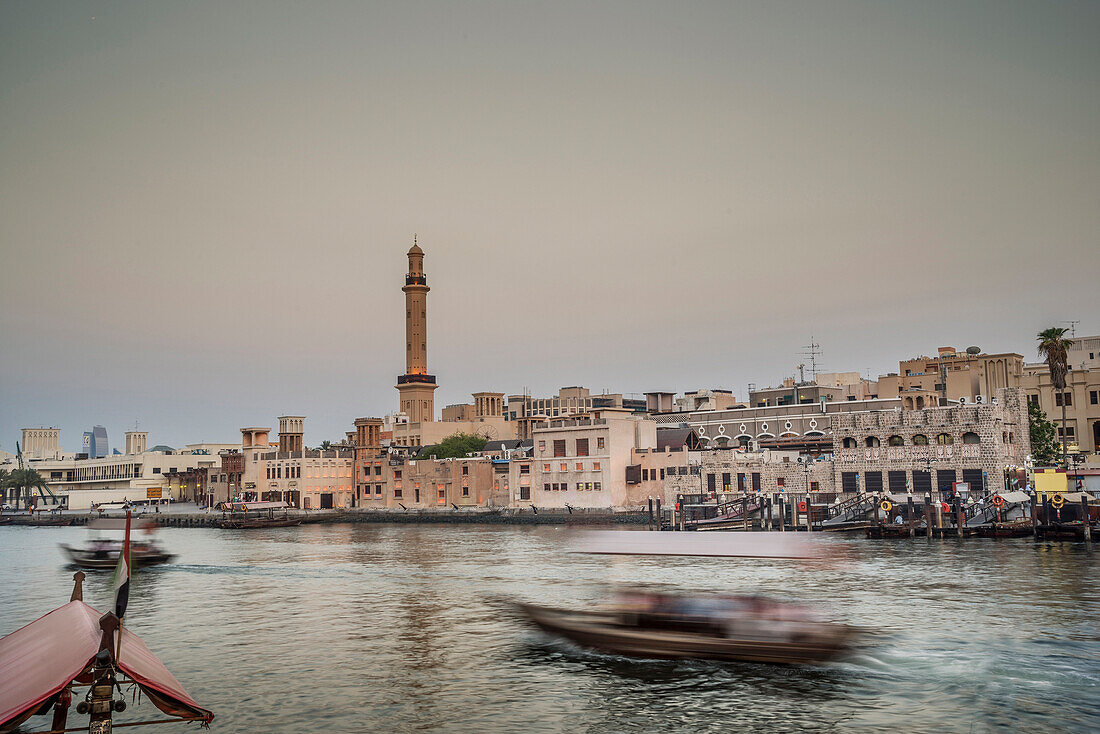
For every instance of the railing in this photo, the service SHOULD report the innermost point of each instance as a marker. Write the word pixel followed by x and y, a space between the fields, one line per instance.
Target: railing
pixel 849 454
pixel 971 450
pixel 872 453
pixel 944 451
pixel 895 453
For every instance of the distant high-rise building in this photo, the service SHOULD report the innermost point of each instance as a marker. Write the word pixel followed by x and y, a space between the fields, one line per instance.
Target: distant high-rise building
pixel 86 443
pixel 98 448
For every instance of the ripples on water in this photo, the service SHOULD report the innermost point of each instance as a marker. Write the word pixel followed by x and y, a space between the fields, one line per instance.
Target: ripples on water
pixel 355 628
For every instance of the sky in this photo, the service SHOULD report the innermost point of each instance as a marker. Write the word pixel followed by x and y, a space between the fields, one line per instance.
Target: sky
pixel 205 206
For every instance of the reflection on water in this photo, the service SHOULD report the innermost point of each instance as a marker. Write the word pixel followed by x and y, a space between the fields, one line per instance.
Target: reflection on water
pixel 349 628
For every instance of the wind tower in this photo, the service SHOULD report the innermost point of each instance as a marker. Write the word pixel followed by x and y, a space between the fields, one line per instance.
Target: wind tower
pixel 416 386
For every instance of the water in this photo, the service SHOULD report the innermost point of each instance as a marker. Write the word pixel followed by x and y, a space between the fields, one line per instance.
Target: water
pixel 355 628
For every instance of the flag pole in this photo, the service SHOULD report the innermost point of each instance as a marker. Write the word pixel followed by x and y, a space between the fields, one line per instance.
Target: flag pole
pixel 122 586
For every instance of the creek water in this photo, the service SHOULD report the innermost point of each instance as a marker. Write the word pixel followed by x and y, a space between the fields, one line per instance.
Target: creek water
pixel 361 628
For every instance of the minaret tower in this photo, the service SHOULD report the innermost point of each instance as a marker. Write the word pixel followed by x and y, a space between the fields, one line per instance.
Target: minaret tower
pixel 416 386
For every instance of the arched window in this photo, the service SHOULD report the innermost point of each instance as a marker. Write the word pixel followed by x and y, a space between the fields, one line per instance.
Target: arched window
pixel 872 441
pixel 1011 438
pixel 945 439
pixel 849 443
pixel 920 440
pixel 895 441
pixel 971 437
pixel 920 402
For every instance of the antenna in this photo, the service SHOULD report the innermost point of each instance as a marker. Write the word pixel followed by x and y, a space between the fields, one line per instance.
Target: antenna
pixel 813 351
pixel 801 372
pixel 1072 328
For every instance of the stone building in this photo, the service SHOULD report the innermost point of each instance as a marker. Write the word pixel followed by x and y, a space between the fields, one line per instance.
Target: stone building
pixel 41 443
pixel 932 448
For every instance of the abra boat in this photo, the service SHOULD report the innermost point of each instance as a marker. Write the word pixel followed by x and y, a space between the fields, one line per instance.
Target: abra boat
pixel 74 654
pixel 257 515
pixel 103 552
pixel 733 628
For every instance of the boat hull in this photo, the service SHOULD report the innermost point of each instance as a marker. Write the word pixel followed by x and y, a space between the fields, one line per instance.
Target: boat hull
pixel 243 524
pixel 598 631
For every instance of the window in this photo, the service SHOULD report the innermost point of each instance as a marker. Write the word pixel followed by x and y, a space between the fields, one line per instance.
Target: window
pixel 559 447
pixel 396 473
pixel 596 486
pixel 524 468
pixel 580 466
pixel 554 487
pixel 781 482
pixel 971 438
pixel 595 466
pixel 895 441
pixel 465 491
pixel 397 493
pixel 1066 398
pixel 542 446
pixel 564 466
pixel 1094 397
pixel 546 467
pixel 156 470
pixel 378 490
pixel 582 447
pixel 920 440
pixel 466 470
pixel 813 486
pixel 944 439
pixel 546 487
pixel 599 442
pixel 441 493
pixel 1033 399
pixel 1069 433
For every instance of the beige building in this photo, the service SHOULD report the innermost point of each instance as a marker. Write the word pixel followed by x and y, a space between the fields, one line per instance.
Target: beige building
pixel 580 461
pixel 41 443
pixel 528 414
pixel 922 382
pixel 1081 396
pixel 136 442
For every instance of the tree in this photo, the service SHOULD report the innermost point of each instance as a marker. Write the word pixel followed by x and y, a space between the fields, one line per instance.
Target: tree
pixel 1052 348
pixel 326 445
pixel 1044 446
pixel 3 485
pixel 454 446
pixel 23 482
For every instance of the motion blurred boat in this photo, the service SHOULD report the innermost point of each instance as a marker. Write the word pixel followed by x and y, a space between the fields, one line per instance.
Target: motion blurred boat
pixel 646 624
pixel 257 515
pixel 742 628
pixel 102 552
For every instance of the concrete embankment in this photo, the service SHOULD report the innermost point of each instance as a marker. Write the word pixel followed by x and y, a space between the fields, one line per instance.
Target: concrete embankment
pixel 501 517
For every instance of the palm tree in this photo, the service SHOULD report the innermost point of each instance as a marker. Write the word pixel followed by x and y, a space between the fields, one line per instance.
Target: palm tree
pixel 1052 348
pixel 326 445
pixel 23 482
pixel 3 486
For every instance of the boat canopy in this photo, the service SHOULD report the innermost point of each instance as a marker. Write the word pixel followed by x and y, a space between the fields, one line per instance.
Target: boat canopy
pixel 39 660
pixel 246 506
pixel 1014 497
pixel 728 544
pixel 119 523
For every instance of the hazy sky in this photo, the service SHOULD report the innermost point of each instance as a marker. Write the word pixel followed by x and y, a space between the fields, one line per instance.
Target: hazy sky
pixel 205 206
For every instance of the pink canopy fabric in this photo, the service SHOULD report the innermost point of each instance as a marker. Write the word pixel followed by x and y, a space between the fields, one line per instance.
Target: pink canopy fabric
pixel 40 659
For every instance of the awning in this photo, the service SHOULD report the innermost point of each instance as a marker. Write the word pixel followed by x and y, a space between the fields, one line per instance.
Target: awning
pixel 1014 497
pixel 37 661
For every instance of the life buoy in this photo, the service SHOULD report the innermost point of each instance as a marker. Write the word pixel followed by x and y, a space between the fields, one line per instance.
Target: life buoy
pixel 945 507
pixel 998 500
pixel 802 507
pixel 1057 501
pixel 886 506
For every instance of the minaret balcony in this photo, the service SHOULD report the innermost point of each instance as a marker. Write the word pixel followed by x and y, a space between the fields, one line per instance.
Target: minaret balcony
pixel 415 280
pixel 410 379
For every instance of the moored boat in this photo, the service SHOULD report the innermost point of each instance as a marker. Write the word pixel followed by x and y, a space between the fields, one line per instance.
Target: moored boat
pixel 240 515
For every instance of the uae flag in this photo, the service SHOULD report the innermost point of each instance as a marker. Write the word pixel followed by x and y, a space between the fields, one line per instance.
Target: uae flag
pixel 121 581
